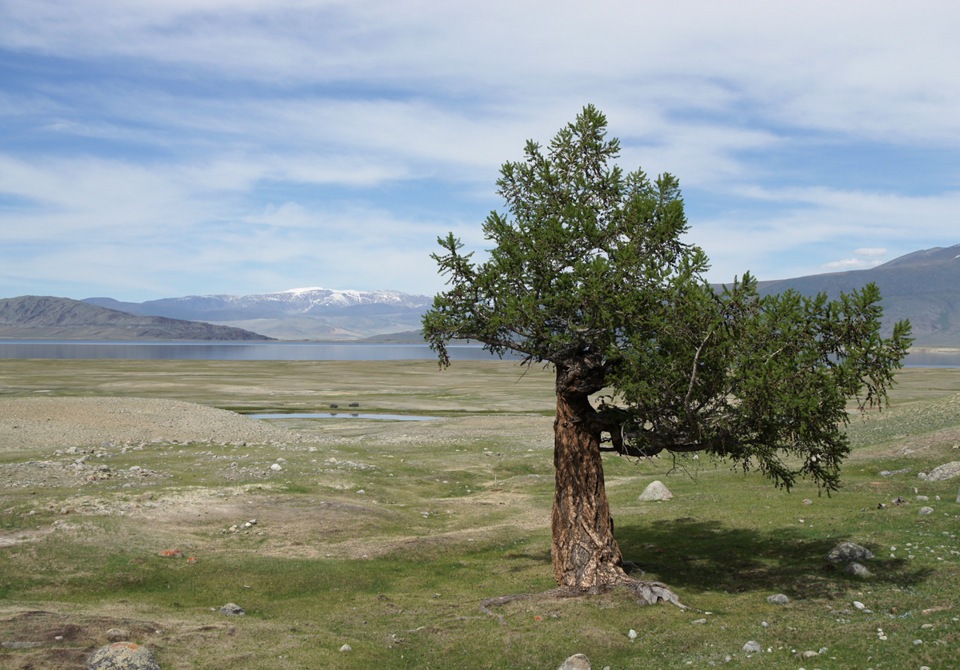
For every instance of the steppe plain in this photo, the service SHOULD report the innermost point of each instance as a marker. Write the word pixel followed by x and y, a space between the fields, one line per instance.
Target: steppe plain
pixel 136 500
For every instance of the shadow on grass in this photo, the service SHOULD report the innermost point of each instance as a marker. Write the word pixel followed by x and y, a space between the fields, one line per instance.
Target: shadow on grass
pixel 704 556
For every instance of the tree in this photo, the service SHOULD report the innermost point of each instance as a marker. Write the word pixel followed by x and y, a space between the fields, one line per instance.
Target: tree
pixel 589 273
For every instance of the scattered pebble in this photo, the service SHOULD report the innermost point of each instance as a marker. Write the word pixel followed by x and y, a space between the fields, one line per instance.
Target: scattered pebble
pixel 232 609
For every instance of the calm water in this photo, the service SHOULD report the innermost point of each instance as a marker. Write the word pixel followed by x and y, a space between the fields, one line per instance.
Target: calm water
pixel 342 415
pixel 293 351
pixel 232 351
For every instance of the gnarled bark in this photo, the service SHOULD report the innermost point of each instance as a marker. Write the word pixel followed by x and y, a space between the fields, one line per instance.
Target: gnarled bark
pixel 585 553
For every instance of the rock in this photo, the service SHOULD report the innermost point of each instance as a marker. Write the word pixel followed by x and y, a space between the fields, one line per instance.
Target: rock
pixel 752 647
pixel 942 472
pixel 891 473
pixel 122 656
pixel 632 634
pixel 576 662
pixel 655 491
pixel 925 511
pixel 847 552
pixel 276 467
pixel 778 599
pixel 232 609
pixel 117 634
pixel 345 648
pixel 857 570
pixel 859 605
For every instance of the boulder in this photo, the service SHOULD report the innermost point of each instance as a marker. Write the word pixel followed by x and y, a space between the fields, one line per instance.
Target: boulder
pixel 848 552
pixel 942 472
pixel 655 491
pixel 122 656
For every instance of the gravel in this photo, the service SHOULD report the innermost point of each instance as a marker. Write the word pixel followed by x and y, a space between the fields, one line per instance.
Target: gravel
pixel 59 423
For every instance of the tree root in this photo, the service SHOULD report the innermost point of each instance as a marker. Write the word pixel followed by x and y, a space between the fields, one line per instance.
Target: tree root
pixel 647 593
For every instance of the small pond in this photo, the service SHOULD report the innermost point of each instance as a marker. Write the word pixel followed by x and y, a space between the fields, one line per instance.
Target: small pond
pixel 342 415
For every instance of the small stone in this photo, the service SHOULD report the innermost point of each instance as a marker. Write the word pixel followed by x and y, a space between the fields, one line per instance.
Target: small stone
pixel 778 599
pixel 859 605
pixel 632 634
pixel 276 467
pixel 576 662
pixel 345 648
pixel 117 634
pixel 232 609
pixel 699 621
pixel 125 655
pixel 752 647
pixel 809 654
pixel 857 570
pixel 925 511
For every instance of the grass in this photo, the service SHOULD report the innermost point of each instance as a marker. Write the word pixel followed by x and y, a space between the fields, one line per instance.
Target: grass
pixel 386 536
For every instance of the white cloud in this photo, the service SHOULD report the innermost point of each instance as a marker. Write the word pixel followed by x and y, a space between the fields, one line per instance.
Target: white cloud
pixel 244 137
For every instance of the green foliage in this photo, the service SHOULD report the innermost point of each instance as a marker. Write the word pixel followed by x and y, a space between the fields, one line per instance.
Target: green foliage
pixel 588 271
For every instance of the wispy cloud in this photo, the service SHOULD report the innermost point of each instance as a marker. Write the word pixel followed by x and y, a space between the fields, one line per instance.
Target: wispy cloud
pixel 162 148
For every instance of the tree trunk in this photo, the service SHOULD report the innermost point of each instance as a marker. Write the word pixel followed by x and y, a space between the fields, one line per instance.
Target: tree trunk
pixel 585 553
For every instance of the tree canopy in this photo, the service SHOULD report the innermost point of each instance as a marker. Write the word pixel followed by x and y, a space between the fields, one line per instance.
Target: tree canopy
pixel 590 271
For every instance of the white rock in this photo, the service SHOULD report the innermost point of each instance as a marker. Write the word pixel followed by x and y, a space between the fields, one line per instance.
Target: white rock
pixel 859 605
pixel 576 662
pixel 752 647
pixel 655 491
pixel 276 467
pixel 632 634
pixel 925 511
pixel 346 647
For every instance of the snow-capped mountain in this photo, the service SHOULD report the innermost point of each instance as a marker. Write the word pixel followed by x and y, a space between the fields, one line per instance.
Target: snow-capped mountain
pixel 303 313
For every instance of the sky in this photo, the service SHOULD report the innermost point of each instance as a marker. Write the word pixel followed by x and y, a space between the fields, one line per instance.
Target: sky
pixel 163 148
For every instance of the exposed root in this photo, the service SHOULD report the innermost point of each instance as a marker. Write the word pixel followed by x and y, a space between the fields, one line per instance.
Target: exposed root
pixel 647 593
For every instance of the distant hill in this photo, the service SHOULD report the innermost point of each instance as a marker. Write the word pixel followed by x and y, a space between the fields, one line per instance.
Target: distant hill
pixel 923 286
pixel 297 314
pixel 43 317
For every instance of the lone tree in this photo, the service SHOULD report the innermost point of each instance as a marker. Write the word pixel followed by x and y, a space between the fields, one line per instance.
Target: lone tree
pixel 588 273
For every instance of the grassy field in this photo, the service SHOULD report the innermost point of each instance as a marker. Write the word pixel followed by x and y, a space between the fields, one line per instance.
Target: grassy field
pixel 386 536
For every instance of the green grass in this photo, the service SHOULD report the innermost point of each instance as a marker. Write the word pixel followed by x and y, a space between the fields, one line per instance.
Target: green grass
pixel 456 511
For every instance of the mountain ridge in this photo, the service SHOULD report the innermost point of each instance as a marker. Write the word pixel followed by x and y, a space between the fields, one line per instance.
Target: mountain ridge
pixel 295 314
pixel 49 317
pixel 922 286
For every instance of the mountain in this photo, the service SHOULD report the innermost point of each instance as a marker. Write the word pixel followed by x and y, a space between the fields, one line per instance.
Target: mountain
pixel 923 286
pixel 42 317
pixel 297 314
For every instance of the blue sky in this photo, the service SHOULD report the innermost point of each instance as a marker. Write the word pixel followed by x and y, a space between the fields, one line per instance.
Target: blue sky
pixel 153 149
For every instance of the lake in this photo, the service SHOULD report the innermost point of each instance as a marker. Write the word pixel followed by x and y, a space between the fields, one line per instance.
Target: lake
pixel 233 351
pixel 298 351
